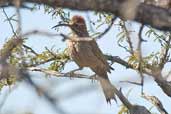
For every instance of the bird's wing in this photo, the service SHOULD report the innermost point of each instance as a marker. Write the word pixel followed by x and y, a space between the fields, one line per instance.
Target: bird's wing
pixel 98 53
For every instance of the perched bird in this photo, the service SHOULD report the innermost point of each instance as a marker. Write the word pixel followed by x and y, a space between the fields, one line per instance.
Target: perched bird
pixel 88 54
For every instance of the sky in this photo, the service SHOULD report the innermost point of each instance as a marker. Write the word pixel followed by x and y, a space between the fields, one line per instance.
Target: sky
pixel 23 97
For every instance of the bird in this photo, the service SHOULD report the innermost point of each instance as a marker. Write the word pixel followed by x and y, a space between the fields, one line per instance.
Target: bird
pixel 88 54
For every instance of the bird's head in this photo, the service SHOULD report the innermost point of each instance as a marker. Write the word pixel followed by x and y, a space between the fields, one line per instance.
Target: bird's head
pixel 77 25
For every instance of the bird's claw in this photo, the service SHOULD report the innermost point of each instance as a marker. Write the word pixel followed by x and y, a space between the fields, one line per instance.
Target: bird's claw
pixel 71 73
pixel 108 101
pixel 93 77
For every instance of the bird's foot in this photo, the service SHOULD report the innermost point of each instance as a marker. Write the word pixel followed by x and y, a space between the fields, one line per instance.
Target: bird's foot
pixel 72 72
pixel 93 77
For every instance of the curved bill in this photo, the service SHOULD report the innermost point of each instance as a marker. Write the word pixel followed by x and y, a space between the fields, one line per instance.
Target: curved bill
pixel 68 25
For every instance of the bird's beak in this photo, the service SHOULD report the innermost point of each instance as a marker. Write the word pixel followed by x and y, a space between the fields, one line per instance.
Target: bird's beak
pixel 64 24
pixel 59 25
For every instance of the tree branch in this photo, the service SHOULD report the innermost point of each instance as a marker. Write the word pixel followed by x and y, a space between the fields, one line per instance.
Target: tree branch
pixel 156 102
pixel 134 109
pixel 156 17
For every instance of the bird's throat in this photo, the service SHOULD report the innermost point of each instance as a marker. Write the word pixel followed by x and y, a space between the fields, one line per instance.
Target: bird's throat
pixel 80 32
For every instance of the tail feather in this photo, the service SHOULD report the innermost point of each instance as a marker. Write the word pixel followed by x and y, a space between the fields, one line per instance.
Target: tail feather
pixel 108 89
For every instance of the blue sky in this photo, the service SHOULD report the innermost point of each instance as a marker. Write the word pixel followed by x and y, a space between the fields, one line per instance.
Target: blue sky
pixel 92 102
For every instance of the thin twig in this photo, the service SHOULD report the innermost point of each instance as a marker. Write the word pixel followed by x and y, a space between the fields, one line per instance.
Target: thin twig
pixel 128 38
pixel 107 29
pixel 38 32
pixel 58 74
pixel 139 49
pixel 89 20
pixel 17 5
pixel 165 56
pixel 136 83
pixel 29 48
pixel 9 21
pixel 41 62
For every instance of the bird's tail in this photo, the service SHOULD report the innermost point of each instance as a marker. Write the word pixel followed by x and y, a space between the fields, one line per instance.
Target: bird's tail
pixel 108 89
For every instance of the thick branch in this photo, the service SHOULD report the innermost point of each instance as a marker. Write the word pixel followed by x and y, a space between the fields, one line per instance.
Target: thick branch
pixel 157 17
pixel 156 102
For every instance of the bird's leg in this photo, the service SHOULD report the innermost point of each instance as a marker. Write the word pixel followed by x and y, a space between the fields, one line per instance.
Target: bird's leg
pixel 93 77
pixel 71 73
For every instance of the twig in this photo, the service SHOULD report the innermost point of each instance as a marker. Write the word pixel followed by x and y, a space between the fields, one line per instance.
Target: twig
pixel 136 83
pixel 58 74
pixel 17 5
pixel 107 29
pixel 65 37
pixel 38 32
pixel 9 21
pixel 40 63
pixel 165 56
pixel 126 64
pixel 128 38
pixel 29 48
pixel 140 56
pixel 89 20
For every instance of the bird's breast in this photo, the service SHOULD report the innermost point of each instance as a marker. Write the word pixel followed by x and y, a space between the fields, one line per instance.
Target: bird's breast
pixel 80 52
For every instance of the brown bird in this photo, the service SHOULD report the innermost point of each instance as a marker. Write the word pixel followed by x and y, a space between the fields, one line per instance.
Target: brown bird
pixel 88 54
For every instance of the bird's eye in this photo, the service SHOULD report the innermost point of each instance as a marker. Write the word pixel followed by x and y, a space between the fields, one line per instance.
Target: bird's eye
pixel 77 25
